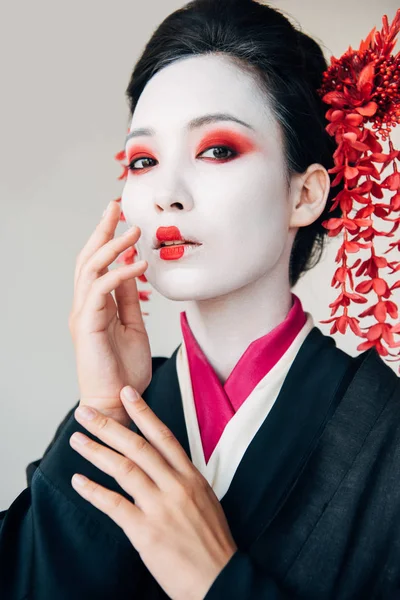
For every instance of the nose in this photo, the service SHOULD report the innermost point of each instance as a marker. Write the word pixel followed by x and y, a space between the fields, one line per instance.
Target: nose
pixel 173 201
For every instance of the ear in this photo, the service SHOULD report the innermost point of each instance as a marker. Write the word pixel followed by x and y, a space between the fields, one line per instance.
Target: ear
pixel 309 191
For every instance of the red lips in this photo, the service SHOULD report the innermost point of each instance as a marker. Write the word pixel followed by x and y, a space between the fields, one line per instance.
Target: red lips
pixel 172 234
pixel 168 234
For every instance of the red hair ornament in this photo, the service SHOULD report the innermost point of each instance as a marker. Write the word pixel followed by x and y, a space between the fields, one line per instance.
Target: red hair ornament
pixel 362 87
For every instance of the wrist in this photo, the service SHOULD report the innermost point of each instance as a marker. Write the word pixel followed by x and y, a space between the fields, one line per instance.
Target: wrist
pixel 119 414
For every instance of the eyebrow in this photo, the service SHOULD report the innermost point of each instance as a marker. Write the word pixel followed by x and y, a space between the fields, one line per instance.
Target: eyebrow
pixel 193 124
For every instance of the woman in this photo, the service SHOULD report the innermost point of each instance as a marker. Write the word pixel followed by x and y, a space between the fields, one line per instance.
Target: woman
pixel 259 460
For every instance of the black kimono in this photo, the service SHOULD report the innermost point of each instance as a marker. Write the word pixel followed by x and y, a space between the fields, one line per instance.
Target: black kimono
pixel 314 505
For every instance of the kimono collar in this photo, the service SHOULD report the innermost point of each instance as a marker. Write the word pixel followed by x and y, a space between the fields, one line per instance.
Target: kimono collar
pixel 216 403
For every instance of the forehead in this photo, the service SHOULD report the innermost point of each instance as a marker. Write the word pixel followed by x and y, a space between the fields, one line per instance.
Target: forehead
pixel 203 84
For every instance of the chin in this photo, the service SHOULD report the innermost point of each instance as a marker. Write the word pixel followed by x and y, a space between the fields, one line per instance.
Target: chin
pixel 181 293
pixel 183 288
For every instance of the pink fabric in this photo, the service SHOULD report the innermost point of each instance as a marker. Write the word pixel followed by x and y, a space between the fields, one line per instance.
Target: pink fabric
pixel 216 403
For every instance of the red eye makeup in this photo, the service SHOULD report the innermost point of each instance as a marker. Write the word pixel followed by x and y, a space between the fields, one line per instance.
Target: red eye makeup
pixel 238 142
pixel 138 151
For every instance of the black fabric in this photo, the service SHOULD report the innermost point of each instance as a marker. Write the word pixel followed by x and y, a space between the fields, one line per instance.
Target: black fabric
pixel 313 506
pixel 337 536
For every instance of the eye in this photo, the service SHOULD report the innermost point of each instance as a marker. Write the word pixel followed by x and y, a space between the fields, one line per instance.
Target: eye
pixel 224 149
pixel 132 168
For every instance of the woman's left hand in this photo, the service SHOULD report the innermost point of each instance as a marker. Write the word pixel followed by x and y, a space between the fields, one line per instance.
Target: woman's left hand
pixel 175 520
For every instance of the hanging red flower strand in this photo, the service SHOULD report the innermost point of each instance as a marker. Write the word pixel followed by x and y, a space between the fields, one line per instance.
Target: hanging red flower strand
pixel 363 86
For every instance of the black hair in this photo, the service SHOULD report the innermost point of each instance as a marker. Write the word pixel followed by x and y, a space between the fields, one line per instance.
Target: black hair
pixel 286 64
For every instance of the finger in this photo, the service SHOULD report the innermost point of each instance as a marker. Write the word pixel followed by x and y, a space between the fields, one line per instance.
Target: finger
pixel 124 513
pixel 104 231
pixel 128 443
pixel 158 434
pixel 100 288
pixel 97 265
pixel 128 303
pixel 125 472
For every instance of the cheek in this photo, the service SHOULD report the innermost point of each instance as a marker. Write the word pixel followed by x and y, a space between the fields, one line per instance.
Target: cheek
pixel 252 219
pixel 133 204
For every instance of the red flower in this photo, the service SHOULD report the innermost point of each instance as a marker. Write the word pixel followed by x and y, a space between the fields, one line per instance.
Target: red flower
pixel 340 324
pixel 344 299
pixel 380 311
pixel 373 343
pixel 144 295
pixel 377 284
pixel 120 156
pixel 127 256
pixel 392 182
pixel 371 266
pixel 336 225
pixel 364 86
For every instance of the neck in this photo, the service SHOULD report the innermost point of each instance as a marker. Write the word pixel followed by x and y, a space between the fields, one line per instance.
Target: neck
pixel 225 326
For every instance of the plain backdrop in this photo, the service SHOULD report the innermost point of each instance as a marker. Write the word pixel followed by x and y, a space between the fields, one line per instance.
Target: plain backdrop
pixel 64 70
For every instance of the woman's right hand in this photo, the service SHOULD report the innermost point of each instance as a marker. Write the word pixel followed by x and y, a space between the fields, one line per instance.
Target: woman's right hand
pixel 111 343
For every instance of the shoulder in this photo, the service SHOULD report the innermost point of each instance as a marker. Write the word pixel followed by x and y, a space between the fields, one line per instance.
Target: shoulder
pixel 374 376
pixel 380 380
pixel 368 388
pixel 373 408
pixel 370 373
pixel 375 389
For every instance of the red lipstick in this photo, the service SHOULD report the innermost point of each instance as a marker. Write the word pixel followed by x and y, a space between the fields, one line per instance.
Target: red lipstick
pixel 177 250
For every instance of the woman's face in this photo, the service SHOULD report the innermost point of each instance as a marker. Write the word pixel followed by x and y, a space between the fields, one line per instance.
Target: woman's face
pixel 221 182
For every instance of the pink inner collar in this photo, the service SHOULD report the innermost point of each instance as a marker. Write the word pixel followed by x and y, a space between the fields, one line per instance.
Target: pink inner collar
pixel 216 403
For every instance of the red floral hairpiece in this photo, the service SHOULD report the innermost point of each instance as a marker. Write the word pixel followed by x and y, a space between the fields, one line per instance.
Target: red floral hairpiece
pixel 362 86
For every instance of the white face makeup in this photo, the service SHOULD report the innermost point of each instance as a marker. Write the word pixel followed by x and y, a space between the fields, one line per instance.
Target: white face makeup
pixel 221 183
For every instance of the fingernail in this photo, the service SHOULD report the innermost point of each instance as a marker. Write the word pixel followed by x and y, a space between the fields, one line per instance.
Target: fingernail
pixel 85 412
pixel 79 438
pixel 130 394
pixel 79 480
